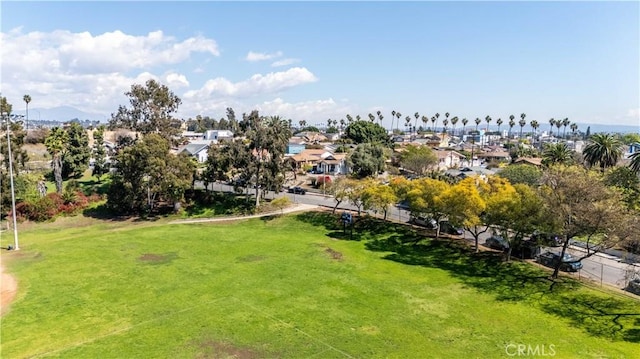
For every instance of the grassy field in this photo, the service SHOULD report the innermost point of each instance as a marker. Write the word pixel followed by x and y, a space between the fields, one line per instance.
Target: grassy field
pixel 290 287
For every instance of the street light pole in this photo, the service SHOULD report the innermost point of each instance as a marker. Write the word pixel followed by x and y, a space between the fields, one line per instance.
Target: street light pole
pixel 13 193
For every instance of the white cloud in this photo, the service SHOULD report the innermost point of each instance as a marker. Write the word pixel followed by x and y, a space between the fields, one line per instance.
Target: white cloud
pixel 634 113
pixel 256 84
pixel 314 112
pixel 285 62
pixel 174 80
pixel 262 56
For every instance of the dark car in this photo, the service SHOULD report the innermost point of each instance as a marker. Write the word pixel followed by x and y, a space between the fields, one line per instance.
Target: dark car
pixel 569 263
pixel 634 286
pixel 448 228
pixel 547 239
pixel 497 242
pixel 525 250
pixel 297 190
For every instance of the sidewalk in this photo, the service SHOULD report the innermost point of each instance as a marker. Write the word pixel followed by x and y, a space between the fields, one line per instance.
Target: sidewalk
pixel 295 208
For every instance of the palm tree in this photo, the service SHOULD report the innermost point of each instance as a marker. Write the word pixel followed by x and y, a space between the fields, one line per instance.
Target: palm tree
pixel 557 153
pixel 302 124
pixel 604 150
pixel 425 119
pixel 437 117
pixel 417 116
pixel 534 126
pixel 342 123
pixel 558 125
pixel 474 138
pixel 393 117
pixel 565 123
pixel 511 124
pixel 488 119
pixel 398 115
pixel 635 162
pixel 56 142
pixel 27 99
pixel 372 118
pixel 433 124
pixel 464 125
pixel 574 128
pixel 445 122
pixel 358 118
pixel 552 122
pixel 407 121
pixel 499 122
pixel 522 123
pixel 380 117
pixel 349 119
pixel 454 121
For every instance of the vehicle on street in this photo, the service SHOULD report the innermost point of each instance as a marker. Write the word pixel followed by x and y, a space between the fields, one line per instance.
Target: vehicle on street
pixel 547 239
pixel 634 286
pixel 297 190
pixel 526 249
pixel 497 242
pixel 447 228
pixel 568 263
pixel 423 221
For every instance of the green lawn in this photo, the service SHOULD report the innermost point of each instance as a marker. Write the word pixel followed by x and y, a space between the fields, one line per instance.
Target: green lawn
pixel 289 287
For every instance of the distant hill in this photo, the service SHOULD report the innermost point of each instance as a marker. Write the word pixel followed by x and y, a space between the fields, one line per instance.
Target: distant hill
pixel 62 114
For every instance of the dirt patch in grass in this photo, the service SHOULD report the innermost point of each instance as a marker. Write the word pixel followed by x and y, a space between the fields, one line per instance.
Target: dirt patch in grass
pixel 8 290
pixel 153 258
pixel 211 349
pixel 334 254
pixel 251 258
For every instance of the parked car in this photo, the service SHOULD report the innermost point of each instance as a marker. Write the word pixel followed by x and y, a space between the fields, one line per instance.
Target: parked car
pixel 423 221
pixel 569 263
pixel 447 228
pixel 497 242
pixel 634 286
pixel 297 190
pixel 525 250
pixel 547 239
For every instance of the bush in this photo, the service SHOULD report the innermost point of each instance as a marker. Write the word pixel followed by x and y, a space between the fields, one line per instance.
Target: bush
pixel 46 208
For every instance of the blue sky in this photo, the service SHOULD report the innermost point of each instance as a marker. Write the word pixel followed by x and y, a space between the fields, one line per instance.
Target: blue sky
pixel 318 60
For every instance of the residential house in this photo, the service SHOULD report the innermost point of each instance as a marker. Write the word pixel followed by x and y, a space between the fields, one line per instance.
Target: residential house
pixel 333 164
pixel 448 159
pixel 529 161
pixel 470 172
pixel 197 150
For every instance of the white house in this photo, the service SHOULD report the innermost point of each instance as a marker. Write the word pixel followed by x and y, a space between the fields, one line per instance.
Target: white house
pixel 196 150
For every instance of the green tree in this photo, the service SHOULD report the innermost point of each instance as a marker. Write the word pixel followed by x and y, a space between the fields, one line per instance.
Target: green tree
pixel 523 173
pixel 100 166
pixel 417 159
pixel 77 153
pixel 627 182
pixel 604 150
pixel 56 143
pixel 152 108
pixel 557 153
pixel 27 100
pixel 146 172
pixel 367 160
pixel 424 199
pixel 367 132
pixel 581 205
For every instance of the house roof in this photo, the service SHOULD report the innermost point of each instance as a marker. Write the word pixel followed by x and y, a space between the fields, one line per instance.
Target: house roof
pixel 529 160
pixel 494 154
pixel 442 154
pixel 194 148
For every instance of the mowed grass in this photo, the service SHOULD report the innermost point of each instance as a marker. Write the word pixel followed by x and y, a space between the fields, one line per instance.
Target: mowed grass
pixel 290 287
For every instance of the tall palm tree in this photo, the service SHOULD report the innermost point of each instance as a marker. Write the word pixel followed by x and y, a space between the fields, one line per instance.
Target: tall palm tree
pixel 393 117
pixel 558 125
pixel 574 128
pixel 372 118
pixel 511 124
pixel 425 119
pixel 499 122
pixel 445 123
pixel 604 150
pixel 55 143
pixel 415 124
pixel 437 117
pixel 522 123
pixel 446 116
pixel 565 123
pixel 407 121
pixel 342 123
pixel 534 129
pixel 552 122
pixel 380 117
pixel 557 153
pixel 27 99
pixel 454 121
pixel 433 124
pixel 488 119
pixel 474 138
pixel 349 119
pixel 635 162
pixel 464 125
pixel 358 118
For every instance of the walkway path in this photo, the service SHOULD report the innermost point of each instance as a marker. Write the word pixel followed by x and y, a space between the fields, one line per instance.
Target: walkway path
pixel 295 208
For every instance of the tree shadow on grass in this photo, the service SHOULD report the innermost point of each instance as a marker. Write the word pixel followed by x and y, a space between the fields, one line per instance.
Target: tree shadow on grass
pixel 600 316
pixel 604 315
